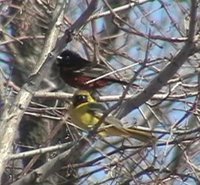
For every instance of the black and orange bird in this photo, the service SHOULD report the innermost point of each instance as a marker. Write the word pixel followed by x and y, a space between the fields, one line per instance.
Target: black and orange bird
pixel 77 72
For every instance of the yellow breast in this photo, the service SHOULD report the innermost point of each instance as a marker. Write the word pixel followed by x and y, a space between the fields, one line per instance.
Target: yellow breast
pixel 82 117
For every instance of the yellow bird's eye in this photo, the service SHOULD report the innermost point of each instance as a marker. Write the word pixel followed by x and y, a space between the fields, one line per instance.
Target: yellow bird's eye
pixel 79 99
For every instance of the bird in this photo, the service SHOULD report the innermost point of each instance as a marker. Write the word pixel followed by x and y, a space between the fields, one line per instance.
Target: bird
pixel 85 112
pixel 77 72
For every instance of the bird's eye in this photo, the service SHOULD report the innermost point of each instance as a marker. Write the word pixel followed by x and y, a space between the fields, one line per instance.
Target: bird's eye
pixel 79 99
pixel 82 97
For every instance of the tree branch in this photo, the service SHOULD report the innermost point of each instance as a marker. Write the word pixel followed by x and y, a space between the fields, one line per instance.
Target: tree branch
pixel 168 72
pixel 12 114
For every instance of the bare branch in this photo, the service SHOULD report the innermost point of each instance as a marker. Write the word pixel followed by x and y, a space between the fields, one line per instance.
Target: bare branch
pixel 168 72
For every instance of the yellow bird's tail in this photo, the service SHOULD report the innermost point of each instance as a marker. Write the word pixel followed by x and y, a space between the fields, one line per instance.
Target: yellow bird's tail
pixel 139 134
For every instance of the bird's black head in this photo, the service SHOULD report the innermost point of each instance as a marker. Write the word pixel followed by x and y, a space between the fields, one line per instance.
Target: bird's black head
pixel 71 60
pixel 82 96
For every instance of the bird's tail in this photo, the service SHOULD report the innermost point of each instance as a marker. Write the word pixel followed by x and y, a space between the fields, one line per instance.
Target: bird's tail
pixel 142 135
pixel 137 133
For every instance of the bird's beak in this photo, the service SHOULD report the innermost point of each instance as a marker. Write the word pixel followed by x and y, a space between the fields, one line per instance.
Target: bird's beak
pixel 59 57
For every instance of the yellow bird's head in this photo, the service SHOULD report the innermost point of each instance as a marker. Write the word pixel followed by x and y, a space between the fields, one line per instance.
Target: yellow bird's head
pixel 82 96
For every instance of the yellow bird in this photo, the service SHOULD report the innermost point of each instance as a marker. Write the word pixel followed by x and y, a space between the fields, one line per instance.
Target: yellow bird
pixel 85 112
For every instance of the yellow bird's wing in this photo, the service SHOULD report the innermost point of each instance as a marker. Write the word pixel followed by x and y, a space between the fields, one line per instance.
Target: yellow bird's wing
pixel 113 127
pixel 96 108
